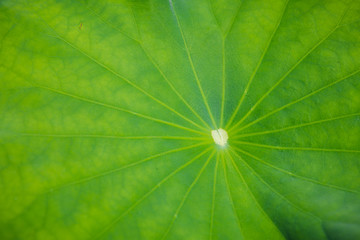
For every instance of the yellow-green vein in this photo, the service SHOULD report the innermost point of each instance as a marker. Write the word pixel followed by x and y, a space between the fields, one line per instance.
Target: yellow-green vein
pixel 164 236
pixel 213 196
pixel 192 65
pixel 273 190
pixel 295 101
pixel 251 193
pixel 118 75
pixel 297 148
pixel 115 170
pixel 295 175
pixel 257 66
pixel 289 71
pixel 130 208
pixel 230 195
pixel 297 126
pixel 140 43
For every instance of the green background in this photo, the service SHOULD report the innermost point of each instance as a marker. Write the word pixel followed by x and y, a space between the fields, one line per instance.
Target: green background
pixel 106 109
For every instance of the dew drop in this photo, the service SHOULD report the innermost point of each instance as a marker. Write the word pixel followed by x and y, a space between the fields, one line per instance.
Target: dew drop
pixel 220 136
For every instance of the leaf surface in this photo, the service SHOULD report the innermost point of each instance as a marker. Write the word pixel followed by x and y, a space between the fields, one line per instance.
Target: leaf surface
pixel 107 109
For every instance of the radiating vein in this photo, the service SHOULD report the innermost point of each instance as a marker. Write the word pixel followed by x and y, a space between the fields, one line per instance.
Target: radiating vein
pixel 290 71
pixel 117 108
pixel 213 13
pixel 257 66
pixel 273 190
pixel 214 196
pixel 171 85
pixel 115 170
pixel 297 126
pixel 295 175
pixel 134 19
pixel 106 22
pixel 251 193
pixel 140 43
pixel 117 219
pixel 223 64
pixel 177 92
pixel 132 84
pixel 227 31
pixel 295 101
pixel 118 75
pixel 192 65
pixel 108 136
pixel 297 148
pixel 109 106
pixel 164 236
pixel 223 78
pixel 230 195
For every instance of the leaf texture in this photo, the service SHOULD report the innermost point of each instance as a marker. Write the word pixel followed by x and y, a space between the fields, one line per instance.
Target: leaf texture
pixel 107 109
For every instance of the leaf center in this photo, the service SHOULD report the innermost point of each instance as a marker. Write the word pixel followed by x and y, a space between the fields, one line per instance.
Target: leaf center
pixel 220 136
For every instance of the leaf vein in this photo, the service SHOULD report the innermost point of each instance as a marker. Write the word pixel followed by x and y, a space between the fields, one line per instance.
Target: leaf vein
pixel 192 65
pixel 117 219
pixel 298 148
pixel 298 125
pixel 296 175
pixel 290 71
pixel 296 101
pixel 115 170
pixel 275 191
pixel 258 65
pixel 251 193
pixel 186 196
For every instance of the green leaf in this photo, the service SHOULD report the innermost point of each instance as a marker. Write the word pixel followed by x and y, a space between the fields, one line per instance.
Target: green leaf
pixel 108 111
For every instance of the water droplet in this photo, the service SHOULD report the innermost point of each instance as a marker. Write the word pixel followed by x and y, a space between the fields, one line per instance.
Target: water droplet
pixel 220 136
